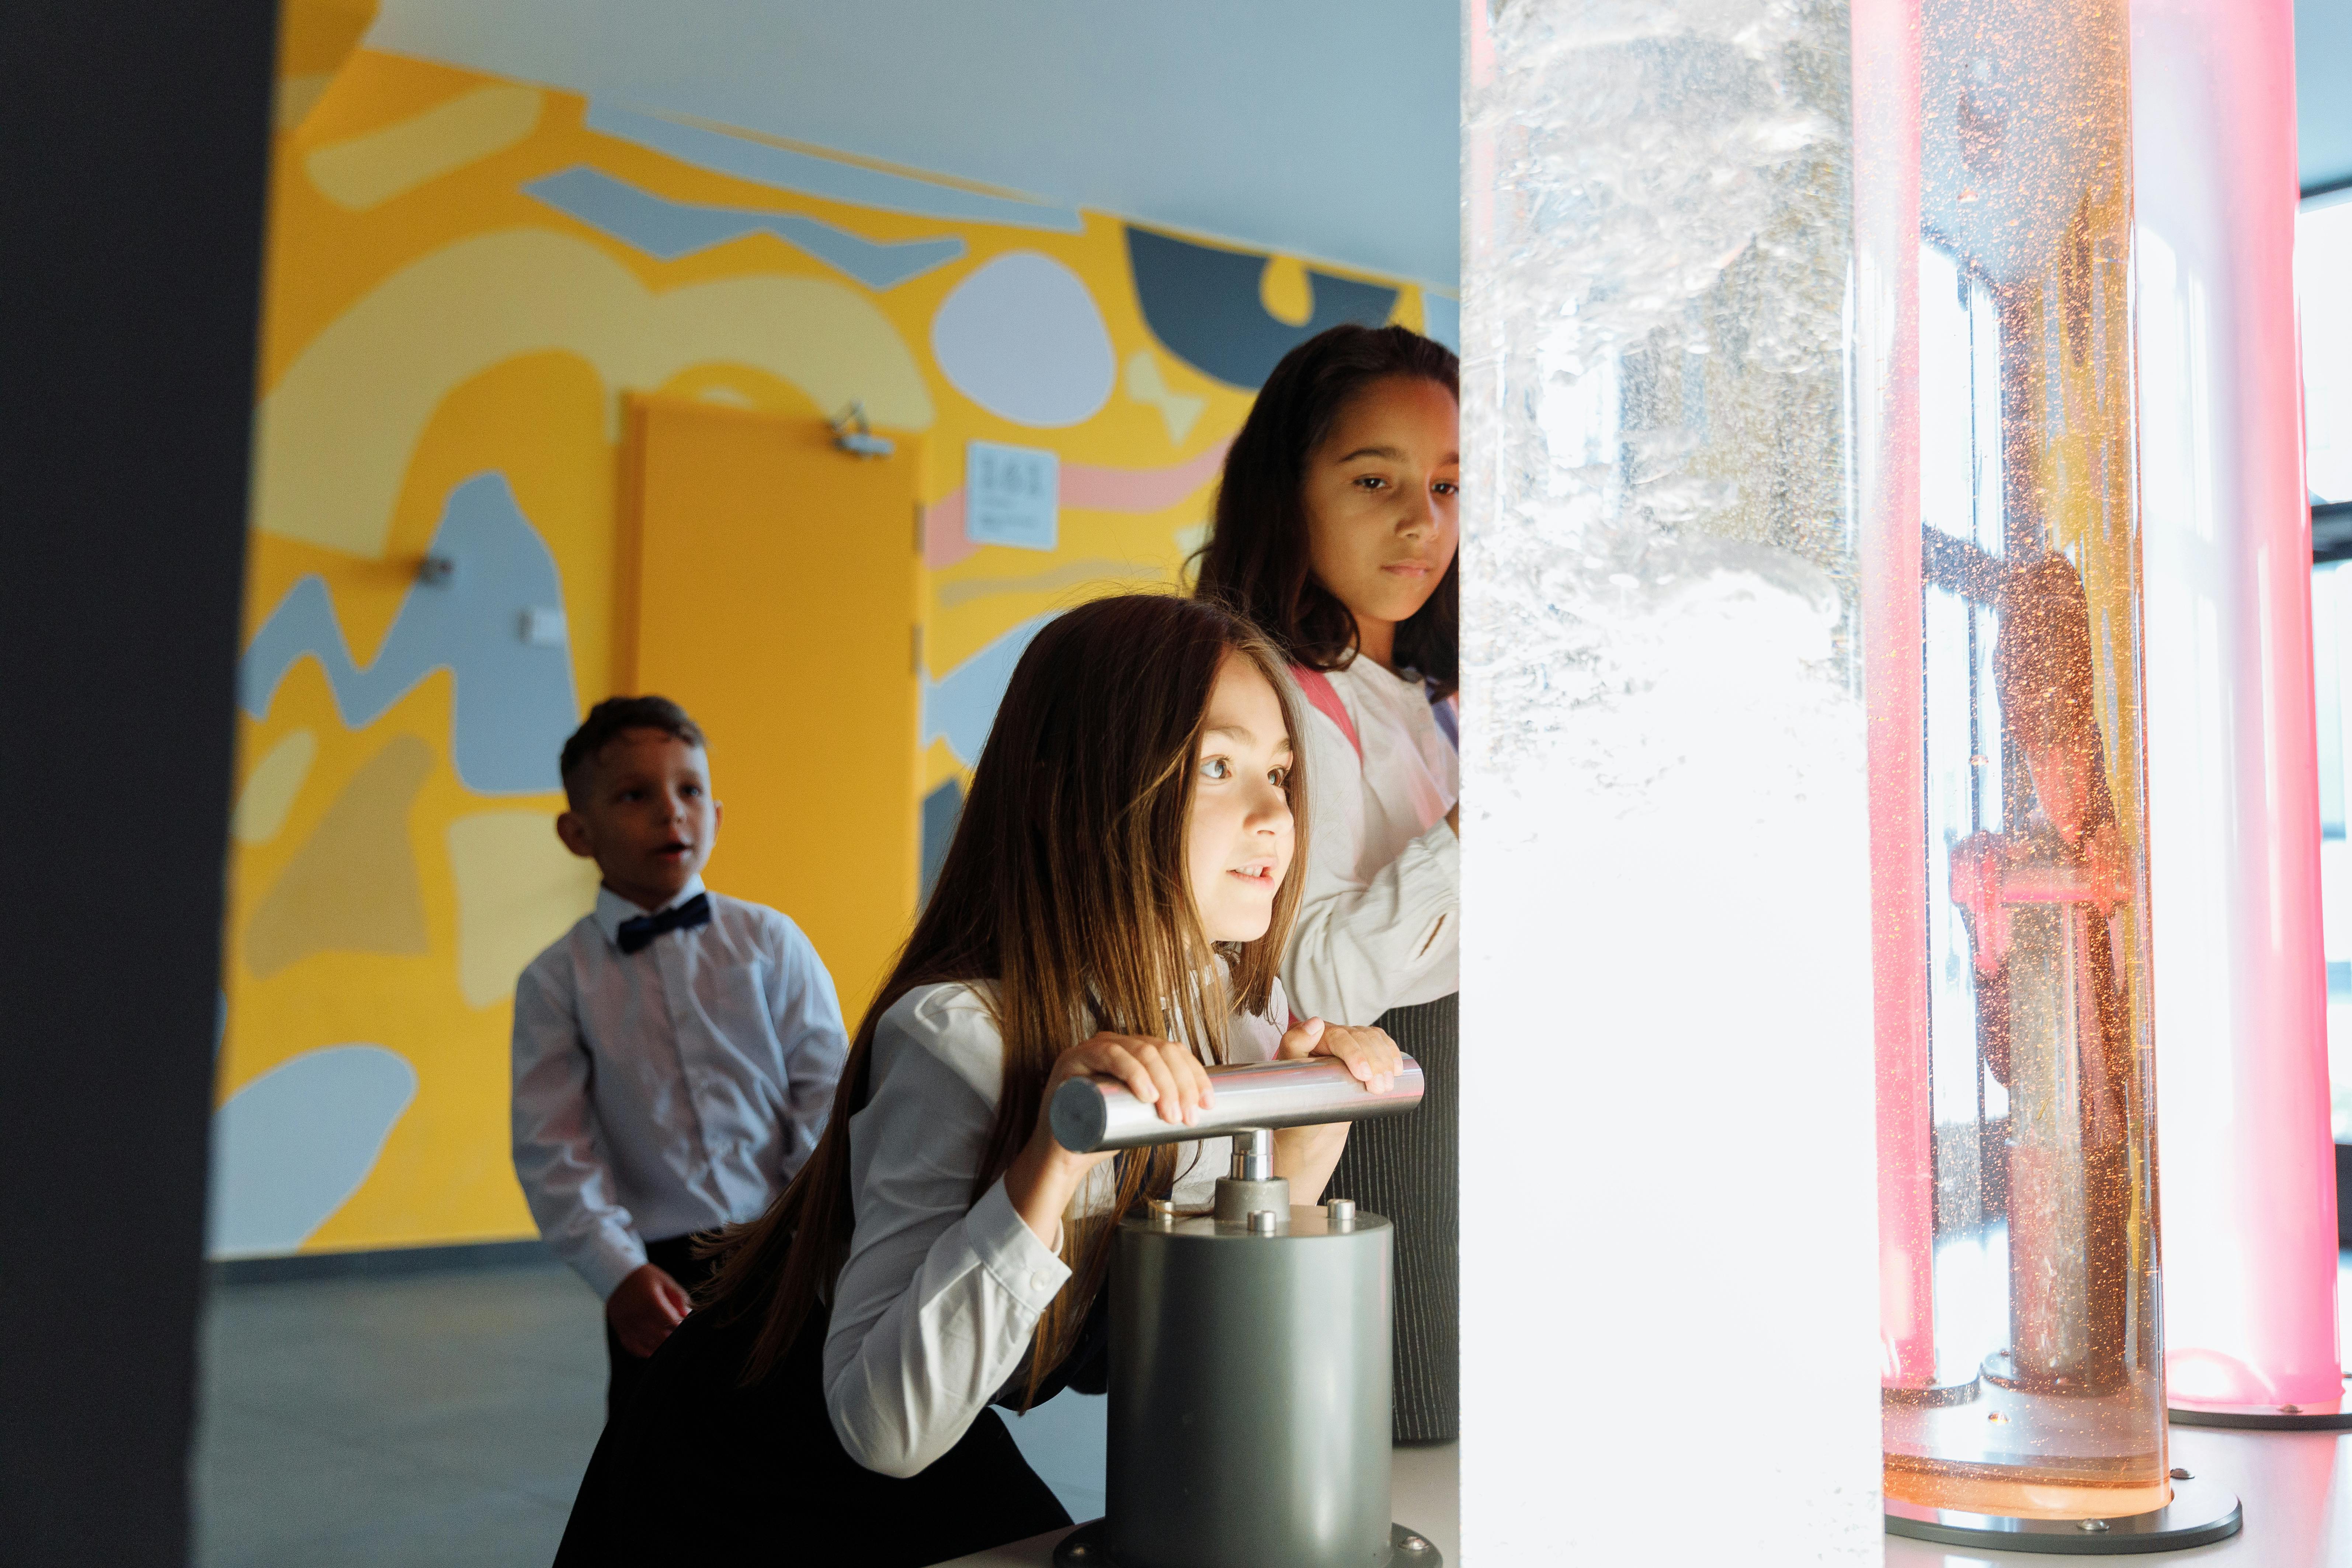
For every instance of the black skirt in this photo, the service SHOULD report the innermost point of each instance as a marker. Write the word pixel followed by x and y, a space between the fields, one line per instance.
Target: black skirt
pixel 697 1469
pixel 1407 1169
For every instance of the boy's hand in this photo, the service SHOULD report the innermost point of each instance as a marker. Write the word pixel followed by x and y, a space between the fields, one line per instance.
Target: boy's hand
pixel 643 1308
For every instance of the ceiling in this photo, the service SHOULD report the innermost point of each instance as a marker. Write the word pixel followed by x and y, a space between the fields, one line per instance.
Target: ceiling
pixel 1324 128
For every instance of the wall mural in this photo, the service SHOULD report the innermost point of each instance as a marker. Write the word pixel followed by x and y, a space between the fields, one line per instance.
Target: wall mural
pixel 464 277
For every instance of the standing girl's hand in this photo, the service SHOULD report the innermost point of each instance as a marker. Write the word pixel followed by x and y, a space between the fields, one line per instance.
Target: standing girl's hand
pixel 1306 1155
pixel 1044 1177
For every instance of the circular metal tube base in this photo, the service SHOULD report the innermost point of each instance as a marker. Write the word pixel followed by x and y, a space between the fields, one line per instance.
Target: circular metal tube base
pixel 2336 1416
pixel 2199 1514
pixel 1087 1547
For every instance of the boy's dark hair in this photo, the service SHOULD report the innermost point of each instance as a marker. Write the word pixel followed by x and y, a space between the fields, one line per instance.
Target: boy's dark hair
pixel 604 724
pixel 1255 561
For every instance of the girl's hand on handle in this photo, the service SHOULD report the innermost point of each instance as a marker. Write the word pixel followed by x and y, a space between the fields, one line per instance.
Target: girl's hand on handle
pixel 1044 1177
pixel 1368 1053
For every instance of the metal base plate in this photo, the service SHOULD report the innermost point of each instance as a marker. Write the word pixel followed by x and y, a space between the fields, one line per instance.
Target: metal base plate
pixel 1087 1547
pixel 2336 1416
pixel 2199 1514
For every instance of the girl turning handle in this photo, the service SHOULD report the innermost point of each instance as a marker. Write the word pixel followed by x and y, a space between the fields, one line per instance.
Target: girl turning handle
pixel 1114 902
pixel 1335 531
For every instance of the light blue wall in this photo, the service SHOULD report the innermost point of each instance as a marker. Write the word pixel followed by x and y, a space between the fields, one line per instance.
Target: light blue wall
pixel 1323 128
pixel 2323 90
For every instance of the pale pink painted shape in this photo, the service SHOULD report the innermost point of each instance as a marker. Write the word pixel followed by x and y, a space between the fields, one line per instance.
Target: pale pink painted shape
pixel 1086 488
pixel 2248 1177
pixel 1886 130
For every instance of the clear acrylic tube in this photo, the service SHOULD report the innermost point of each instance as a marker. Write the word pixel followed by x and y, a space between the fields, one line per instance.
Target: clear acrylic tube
pixel 2001 607
pixel 2248 1159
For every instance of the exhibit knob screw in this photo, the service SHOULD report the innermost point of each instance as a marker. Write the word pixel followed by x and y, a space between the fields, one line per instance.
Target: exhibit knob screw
pixel 1163 1213
pixel 2093 1525
pixel 2181 1474
pixel 1262 1221
pixel 1413 1544
pixel 1341 1211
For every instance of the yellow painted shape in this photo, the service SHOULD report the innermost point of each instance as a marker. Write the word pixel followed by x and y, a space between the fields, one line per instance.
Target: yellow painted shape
pixel 314 38
pixel 270 788
pixel 337 433
pixel 519 889
pixel 1146 383
pixel 364 171
pixel 352 885
pixel 778 581
pixel 1286 290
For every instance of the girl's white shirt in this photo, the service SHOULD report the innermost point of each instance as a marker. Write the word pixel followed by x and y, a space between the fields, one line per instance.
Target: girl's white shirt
pixel 1379 924
pixel 934 1308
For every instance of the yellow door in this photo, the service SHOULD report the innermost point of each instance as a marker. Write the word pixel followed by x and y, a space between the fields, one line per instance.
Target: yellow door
pixel 772 586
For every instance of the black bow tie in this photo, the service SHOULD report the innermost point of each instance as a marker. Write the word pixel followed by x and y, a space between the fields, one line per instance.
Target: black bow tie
pixel 637 934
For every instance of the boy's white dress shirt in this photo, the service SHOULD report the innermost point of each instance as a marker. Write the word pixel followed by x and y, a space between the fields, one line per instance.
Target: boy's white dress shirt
pixel 935 1304
pixel 671 1089
pixel 1380 920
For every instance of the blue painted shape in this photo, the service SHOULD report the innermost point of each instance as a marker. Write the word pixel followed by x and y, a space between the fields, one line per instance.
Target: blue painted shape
pixel 514 705
pixel 813 176
pixel 1066 1440
pixel 293 1145
pixel 666 229
pixel 943 809
pixel 1204 304
pixel 1441 319
pixel 960 706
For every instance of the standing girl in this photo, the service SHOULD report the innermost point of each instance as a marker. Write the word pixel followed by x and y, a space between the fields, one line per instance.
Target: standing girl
pixel 1335 533
pixel 1114 902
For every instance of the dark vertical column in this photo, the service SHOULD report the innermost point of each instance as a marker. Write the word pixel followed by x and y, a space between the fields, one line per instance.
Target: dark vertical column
pixel 131 185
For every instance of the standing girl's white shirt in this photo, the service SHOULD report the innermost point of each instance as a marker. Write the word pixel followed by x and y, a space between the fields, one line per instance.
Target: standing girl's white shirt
pixel 1380 921
pixel 936 1303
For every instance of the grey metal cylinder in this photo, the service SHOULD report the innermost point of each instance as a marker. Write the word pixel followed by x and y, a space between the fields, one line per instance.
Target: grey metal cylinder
pixel 1090 1114
pixel 1249 1394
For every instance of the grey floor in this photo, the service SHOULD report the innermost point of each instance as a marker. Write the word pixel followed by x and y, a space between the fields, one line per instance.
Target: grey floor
pixel 441 1421
pixel 436 1420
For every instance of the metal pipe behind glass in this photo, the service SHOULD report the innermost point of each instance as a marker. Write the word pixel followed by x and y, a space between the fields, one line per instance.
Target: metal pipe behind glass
pixel 1093 1114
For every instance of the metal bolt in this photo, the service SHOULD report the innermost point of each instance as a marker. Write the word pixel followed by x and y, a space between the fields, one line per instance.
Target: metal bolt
pixel 1162 1212
pixel 1413 1544
pixel 1262 1221
pixel 2093 1525
pixel 2181 1474
pixel 1341 1211
pixel 2290 1409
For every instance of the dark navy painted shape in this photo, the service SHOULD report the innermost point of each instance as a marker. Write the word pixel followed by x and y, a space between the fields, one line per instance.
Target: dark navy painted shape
pixel 1203 305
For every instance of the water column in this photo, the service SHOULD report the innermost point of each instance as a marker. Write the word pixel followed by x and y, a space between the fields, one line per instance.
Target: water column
pixel 2022 1358
pixel 2248 1162
pixel 1668 1215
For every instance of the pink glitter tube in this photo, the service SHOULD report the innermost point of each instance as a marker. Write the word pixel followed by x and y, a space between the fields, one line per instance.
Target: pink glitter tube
pixel 2248 1181
pixel 1999 573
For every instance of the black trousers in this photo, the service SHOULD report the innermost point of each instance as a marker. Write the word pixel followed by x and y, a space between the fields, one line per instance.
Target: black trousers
pixel 695 1468
pixel 1407 1169
pixel 676 1257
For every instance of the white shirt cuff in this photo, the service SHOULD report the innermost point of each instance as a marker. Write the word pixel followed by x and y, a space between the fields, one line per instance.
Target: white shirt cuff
pixel 606 1261
pixel 1029 1271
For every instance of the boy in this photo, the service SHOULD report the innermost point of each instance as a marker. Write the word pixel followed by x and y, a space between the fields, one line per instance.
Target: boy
pixel 675 1053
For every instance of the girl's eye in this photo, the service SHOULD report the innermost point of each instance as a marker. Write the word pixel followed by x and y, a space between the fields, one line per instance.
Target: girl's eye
pixel 1217 768
pixel 1370 482
pixel 1447 488
pixel 1279 777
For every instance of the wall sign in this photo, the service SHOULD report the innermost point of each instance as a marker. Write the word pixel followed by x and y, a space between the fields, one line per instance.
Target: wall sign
pixel 1012 495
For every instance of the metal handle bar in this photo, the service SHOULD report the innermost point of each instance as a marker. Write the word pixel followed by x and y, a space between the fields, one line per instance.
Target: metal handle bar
pixel 1091 1114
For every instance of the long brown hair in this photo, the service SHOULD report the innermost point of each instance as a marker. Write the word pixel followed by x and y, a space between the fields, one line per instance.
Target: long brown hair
pixel 1066 899
pixel 1257 558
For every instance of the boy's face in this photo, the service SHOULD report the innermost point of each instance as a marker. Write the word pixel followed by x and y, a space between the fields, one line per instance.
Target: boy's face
pixel 645 815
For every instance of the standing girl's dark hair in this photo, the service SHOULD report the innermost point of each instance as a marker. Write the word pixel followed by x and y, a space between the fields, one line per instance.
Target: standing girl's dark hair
pixel 1065 898
pixel 1257 558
